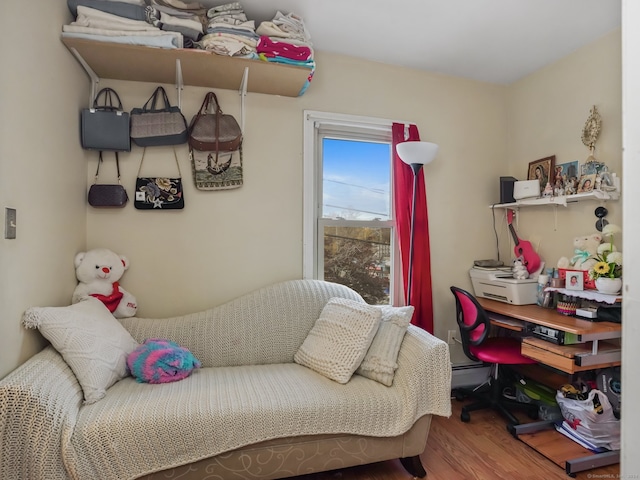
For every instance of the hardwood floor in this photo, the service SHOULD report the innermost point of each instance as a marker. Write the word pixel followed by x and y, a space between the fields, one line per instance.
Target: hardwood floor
pixel 481 449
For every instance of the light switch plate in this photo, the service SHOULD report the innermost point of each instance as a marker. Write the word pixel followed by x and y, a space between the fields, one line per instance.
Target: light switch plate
pixel 9 223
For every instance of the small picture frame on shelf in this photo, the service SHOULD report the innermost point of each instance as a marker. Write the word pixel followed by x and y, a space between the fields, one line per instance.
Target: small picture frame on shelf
pixel 592 168
pixel 574 281
pixel 567 172
pixel 542 170
pixel 587 182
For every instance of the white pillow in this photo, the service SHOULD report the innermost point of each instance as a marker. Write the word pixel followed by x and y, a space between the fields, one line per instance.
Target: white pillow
pixel 379 363
pixel 339 339
pixel 90 339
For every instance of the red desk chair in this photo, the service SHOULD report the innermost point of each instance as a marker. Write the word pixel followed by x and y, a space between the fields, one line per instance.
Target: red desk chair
pixel 474 326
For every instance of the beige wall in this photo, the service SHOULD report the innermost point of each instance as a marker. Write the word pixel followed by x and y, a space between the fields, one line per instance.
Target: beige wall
pixel 226 243
pixel 546 113
pixel 42 170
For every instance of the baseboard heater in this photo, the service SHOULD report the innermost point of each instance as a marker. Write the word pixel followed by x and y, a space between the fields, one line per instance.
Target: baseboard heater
pixel 468 375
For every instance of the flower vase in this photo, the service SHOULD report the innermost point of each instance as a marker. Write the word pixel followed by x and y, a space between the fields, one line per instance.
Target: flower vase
pixel 610 286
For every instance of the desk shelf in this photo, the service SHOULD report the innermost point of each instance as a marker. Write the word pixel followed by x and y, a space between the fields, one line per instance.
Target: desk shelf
pixel 597 353
pixel 564 452
pixel 565 357
pixel 592 295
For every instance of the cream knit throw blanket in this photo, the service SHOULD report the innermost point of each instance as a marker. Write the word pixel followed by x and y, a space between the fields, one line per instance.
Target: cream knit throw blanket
pixel 246 393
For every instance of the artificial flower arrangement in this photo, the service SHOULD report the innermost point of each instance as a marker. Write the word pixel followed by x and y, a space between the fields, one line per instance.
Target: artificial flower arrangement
pixel 608 260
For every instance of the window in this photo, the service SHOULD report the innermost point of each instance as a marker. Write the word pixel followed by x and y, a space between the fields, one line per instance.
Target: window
pixel 349 231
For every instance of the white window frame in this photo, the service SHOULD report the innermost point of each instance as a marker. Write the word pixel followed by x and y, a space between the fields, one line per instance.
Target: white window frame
pixel 347 127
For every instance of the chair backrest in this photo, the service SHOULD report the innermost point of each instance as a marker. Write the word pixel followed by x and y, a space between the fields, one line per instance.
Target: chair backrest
pixel 473 321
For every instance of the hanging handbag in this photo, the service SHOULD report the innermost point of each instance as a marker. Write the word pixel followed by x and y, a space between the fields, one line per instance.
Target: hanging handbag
pixel 106 195
pixel 151 127
pixel 216 170
pixel 105 126
pixel 212 130
pixel 161 193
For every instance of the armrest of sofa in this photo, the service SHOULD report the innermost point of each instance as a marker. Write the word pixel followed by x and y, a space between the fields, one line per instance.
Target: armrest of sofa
pixel 424 374
pixel 39 404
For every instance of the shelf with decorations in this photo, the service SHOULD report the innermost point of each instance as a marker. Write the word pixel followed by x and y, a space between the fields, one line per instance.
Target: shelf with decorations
pixel 563 200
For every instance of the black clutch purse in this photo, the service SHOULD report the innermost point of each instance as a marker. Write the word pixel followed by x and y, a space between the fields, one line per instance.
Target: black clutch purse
pixel 107 195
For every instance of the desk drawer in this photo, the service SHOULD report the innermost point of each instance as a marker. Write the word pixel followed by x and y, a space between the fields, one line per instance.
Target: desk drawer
pixel 562 357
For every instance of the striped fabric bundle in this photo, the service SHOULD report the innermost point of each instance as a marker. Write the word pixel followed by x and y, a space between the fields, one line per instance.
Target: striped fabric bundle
pixel 161 361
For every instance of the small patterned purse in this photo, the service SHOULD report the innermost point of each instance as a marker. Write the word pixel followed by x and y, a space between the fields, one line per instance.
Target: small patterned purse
pixel 159 193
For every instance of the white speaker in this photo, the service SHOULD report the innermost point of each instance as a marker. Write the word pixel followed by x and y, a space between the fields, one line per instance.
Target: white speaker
pixel 526 189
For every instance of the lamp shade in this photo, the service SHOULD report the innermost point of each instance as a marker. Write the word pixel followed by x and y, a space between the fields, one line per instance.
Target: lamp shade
pixel 417 152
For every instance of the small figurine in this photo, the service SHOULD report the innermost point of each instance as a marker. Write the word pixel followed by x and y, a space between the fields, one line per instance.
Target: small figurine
pixel 548 191
pixel 519 270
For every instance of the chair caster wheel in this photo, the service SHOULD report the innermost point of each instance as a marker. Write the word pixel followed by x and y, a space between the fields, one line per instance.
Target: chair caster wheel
pixel 465 417
pixel 459 396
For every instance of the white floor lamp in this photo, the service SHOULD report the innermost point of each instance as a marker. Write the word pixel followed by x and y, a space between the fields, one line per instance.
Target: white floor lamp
pixel 415 154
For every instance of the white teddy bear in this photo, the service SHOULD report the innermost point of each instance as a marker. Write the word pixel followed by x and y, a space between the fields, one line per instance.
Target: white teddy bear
pixel 98 272
pixel 585 249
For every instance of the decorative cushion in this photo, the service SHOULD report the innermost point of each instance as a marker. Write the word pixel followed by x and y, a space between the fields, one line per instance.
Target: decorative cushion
pixel 379 363
pixel 159 360
pixel 90 339
pixel 339 339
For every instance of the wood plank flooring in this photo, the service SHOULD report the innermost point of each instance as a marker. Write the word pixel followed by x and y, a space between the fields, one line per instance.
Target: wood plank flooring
pixel 481 449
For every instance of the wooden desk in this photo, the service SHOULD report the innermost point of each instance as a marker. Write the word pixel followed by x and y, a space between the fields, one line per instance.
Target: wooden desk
pixel 593 352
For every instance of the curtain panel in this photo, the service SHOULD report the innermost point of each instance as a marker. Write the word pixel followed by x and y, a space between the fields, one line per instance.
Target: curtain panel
pixel 421 295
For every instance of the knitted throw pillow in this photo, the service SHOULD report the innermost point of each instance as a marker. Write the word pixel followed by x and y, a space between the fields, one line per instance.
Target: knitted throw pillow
pixel 90 339
pixel 339 339
pixel 379 363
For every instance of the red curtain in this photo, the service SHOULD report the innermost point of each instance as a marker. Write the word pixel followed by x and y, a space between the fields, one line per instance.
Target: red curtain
pixel 421 297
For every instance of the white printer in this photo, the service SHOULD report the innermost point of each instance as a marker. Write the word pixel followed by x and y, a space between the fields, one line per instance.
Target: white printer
pixel 499 284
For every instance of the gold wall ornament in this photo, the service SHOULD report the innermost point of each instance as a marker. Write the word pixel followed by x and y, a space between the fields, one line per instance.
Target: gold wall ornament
pixel 591 131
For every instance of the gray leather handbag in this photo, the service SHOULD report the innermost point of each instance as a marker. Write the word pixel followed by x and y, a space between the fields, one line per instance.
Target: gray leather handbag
pixel 105 126
pixel 152 127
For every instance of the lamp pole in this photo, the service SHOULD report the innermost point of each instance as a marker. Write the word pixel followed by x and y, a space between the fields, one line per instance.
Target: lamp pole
pixel 415 154
pixel 415 167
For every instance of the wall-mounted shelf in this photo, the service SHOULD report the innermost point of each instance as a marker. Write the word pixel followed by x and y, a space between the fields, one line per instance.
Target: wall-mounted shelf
pixel 562 200
pixel 199 68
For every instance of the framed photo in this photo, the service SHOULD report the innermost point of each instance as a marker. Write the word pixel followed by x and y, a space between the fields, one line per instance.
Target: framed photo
pixel 567 172
pixel 542 170
pixel 591 168
pixel 574 280
pixel 587 182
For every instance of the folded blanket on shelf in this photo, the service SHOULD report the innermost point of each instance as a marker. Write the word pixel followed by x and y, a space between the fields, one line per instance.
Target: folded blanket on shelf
pixel 166 40
pixel 127 10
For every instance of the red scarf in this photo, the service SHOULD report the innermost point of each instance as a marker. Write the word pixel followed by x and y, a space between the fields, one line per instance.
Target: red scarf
pixel 112 301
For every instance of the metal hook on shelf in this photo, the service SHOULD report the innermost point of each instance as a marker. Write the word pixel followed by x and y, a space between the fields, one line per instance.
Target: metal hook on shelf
pixel 243 93
pixel 92 75
pixel 179 82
